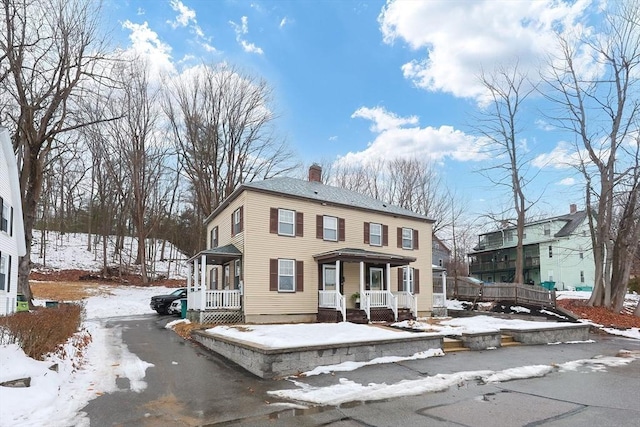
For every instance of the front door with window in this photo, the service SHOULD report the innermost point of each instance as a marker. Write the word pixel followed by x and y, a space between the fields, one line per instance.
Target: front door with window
pixel 376 278
pixel 329 277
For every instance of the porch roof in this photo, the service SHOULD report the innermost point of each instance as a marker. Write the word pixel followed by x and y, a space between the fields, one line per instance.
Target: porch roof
pixel 219 256
pixel 358 255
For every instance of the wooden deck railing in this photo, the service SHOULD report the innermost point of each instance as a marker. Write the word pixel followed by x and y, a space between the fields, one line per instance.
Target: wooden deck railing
pixel 507 292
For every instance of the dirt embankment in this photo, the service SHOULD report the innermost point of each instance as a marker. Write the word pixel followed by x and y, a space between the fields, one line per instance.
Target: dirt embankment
pixel 600 315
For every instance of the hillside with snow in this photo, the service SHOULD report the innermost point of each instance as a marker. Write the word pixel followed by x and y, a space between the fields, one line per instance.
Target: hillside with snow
pixel 69 252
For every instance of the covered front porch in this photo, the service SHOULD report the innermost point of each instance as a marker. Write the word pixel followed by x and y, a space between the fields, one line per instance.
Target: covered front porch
pixel 364 285
pixel 213 297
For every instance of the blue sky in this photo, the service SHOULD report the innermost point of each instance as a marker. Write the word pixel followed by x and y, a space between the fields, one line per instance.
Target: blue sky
pixel 359 80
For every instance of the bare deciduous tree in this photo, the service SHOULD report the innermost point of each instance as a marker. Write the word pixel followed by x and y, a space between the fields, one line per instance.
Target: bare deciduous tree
pixel 600 106
pixel 223 124
pixel 507 90
pixel 48 49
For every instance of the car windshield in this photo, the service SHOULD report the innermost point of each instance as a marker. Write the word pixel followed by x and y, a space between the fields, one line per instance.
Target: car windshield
pixel 177 292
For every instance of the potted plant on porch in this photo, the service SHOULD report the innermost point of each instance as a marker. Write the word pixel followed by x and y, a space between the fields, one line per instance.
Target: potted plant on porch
pixel 356 299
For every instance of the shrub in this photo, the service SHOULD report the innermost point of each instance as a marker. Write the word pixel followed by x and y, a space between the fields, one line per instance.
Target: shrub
pixel 634 285
pixel 41 331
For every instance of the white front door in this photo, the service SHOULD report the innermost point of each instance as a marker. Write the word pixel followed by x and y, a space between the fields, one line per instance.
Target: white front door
pixel 329 277
pixel 376 279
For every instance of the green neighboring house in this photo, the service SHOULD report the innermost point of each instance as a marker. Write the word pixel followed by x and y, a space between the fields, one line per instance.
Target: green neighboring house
pixel 556 250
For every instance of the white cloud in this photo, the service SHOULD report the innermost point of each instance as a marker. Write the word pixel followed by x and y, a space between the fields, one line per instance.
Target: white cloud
pixel 459 39
pixel 140 11
pixel 568 182
pixel 146 43
pixel 544 125
pixel 403 137
pixel 241 30
pixel 185 15
pixel 563 156
pixel 283 22
pixel 382 119
pixel 333 138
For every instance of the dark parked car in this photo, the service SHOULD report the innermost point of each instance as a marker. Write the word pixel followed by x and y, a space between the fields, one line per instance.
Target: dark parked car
pixel 161 303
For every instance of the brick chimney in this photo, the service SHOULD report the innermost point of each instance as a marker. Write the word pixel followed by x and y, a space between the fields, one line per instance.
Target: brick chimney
pixel 573 208
pixel 315 173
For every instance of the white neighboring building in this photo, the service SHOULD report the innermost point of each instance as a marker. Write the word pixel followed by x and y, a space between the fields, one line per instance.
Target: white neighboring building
pixel 12 244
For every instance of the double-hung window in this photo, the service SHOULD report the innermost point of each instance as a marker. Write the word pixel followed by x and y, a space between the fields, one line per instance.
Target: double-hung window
pixel 4 272
pixel 330 228
pixel 4 216
pixel 286 222
pixel 286 275
pixel 236 274
pixel 375 234
pixel 407 238
pixel 214 237
pixel 237 221
pixel 407 279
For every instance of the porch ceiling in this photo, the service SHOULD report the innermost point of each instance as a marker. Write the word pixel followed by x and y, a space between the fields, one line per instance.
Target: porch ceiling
pixel 218 256
pixel 362 255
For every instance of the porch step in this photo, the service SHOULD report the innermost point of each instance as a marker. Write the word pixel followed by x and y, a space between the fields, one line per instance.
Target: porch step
pixel 357 316
pixel 508 341
pixel 405 314
pixel 450 345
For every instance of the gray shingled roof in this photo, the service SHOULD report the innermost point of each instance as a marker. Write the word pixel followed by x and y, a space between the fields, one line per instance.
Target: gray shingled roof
pixel 573 221
pixel 326 193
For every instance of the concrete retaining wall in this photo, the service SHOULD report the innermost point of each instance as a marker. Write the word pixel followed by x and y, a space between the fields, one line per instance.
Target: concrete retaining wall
pixel 272 363
pixel 481 340
pixel 568 332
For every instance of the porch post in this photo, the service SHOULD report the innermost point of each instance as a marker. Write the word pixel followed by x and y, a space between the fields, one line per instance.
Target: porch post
pixel 361 280
pixel 444 291
pixel 388 277
pixel 338 280
pixel 203 277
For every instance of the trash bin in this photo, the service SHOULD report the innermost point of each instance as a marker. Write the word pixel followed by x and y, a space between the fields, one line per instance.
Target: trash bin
pixel 51 304
pixel 548 285
pixel 183 312
pixel 21 303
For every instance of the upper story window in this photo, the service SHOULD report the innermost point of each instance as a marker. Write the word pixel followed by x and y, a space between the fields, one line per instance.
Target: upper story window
pixel 213 238
pixel 330 228
pixel 550 251
pixel 5 217
pixel 407 238
pixel 375 234
pixel 236 221
pixel 508 235
pixel 547 229
pixel 286 222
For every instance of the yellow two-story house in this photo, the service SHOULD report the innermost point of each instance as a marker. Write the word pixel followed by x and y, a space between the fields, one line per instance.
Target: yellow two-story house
pixel 293 250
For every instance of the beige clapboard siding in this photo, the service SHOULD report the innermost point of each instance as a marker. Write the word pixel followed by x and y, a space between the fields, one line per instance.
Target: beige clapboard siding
pixel 260 246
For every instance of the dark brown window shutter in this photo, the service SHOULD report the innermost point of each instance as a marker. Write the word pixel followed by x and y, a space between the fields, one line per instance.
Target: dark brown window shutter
pixel 341 233
pixel 232 227
pixel 273 220
pixel 416 281
pixel 385 235
pixel 299 276
pixel 299 224
pixel 10 227
pixel 400 281
pixel 415 239
pixel 241 218
pixel 320 278
pixel 319 226
pixel 399 237
pixel 273 274
pixel 366 232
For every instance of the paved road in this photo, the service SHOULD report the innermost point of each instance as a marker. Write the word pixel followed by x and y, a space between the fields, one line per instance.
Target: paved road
pixel 189 386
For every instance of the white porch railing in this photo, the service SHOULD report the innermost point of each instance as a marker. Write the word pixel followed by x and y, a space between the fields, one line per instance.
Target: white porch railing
pixel 333 299
pixel 214 299
pixel 386 299
pixel 407 300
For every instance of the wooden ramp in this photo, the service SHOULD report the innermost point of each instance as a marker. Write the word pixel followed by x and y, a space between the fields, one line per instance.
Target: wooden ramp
pixel 513 293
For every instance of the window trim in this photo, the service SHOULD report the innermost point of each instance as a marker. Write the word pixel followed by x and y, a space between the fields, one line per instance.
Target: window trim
pixel 5 268
pixel 237 219
pixel 372 225
pixel 293 275
pixel 326 267
pixel 292 223
pixel 408 282
pixel 325 228
pixel 409 239
pixel 214 237
pixel 5 220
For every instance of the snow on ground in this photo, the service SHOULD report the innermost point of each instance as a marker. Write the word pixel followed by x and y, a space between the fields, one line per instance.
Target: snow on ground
pixel 56 398
pixel 60 249
pixel 299 335
pixel 628 333
pixel 351 391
